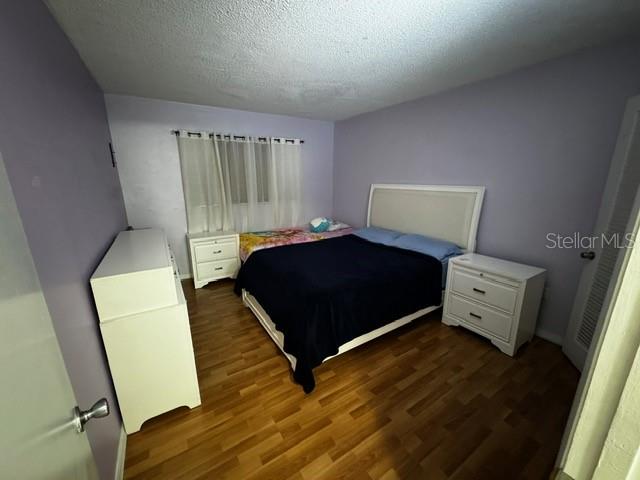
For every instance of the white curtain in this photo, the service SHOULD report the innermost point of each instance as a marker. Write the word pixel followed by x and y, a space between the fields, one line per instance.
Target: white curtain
pixel 285 183
pixel 239 184
pixel 207 200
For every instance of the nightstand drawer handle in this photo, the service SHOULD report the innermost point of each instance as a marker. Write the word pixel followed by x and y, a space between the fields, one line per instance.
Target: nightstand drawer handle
pixel 478 290
pixel 218 268
pixel 217 251
pixel 475 316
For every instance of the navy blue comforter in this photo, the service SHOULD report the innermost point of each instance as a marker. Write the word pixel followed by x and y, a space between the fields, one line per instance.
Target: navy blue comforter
pixel 323 294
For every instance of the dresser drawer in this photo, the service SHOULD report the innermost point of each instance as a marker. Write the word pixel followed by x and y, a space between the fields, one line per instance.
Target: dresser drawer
pixel 216 251
pixel 483 318
pixel 221 268
pixel 475 285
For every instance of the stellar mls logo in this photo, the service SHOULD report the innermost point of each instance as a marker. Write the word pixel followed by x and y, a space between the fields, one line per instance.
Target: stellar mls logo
pixel 589 242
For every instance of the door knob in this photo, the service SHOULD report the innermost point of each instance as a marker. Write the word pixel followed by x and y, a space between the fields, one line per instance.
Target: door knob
pixel 98 410
pixel 588 255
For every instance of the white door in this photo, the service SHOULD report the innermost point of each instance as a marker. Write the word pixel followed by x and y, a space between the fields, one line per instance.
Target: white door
pixel 613 219
pixel 38 439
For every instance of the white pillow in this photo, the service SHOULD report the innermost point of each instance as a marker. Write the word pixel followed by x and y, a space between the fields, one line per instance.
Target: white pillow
pixel 337 226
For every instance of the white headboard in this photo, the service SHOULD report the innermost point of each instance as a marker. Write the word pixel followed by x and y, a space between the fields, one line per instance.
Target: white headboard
pixel 439 211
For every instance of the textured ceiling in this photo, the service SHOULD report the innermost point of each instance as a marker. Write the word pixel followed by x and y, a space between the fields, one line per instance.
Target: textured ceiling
pixel 326 59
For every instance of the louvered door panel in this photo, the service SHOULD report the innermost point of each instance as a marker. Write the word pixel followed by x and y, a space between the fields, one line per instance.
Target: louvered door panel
pixel 616 230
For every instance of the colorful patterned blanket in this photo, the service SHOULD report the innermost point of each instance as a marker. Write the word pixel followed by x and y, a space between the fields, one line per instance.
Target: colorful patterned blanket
pixel 252 241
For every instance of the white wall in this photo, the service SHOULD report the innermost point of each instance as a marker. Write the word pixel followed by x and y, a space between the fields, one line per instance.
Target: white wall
pixel 149 167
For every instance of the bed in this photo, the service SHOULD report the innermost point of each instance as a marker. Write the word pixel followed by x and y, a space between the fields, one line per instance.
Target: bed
pixel 254 241
pixel 320 299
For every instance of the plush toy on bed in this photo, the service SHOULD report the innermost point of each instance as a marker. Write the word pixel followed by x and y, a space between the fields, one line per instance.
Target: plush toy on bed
pixel 320 224
pixel 324 224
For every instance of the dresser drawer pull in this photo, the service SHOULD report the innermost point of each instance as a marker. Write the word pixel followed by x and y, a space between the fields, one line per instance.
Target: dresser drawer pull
pixel 479 317
pixel 217 251
pixel 478 290
pixel 218 268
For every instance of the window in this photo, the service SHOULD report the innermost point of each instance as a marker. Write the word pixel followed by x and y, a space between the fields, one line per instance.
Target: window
pixel 242 161
pixel 242 184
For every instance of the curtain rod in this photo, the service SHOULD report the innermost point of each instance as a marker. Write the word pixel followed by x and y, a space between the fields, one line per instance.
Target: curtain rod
pixel 235 137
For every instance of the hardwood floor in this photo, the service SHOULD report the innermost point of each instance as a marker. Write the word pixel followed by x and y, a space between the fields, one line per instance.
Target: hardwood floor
pixel 426 401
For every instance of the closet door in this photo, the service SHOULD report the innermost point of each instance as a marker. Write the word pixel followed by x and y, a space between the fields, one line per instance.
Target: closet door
pixel 612 226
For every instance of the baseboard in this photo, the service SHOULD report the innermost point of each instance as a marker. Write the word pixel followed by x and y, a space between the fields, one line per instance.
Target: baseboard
pixel 185 276
pixel 550 337
pixel 122 449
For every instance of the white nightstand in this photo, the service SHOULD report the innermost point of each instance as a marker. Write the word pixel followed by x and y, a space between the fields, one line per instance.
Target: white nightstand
pixel 214 255
pixel 494 298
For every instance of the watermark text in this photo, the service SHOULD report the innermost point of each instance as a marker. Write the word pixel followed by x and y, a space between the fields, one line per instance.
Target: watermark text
pixel 590 242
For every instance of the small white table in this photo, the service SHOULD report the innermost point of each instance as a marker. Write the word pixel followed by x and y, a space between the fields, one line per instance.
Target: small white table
pixel 495 298
pixel 214 255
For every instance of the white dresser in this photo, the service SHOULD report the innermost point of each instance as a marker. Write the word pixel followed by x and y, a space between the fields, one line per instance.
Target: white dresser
pixel 214 255
pixel 145 327
pixel 494 298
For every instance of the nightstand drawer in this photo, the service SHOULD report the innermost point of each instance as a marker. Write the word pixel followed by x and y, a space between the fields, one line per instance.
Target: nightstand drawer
pixel 216 251
pixel 471 313
pixel 222 268
pixel 473 285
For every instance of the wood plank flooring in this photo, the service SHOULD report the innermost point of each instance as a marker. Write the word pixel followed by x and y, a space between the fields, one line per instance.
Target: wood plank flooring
pixel 426 401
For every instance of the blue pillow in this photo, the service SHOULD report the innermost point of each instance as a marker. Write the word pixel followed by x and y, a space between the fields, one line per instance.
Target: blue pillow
pixel 440 249
pixel 378 235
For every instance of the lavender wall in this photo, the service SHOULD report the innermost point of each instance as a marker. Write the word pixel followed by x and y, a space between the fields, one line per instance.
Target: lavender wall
pixel 540 139
pixel 54 138
pixel 150 167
